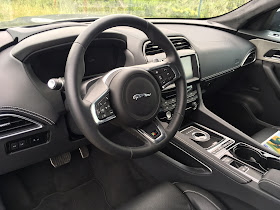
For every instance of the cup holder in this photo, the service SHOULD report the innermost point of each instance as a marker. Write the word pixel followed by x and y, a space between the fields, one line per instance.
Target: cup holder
pixel 255 158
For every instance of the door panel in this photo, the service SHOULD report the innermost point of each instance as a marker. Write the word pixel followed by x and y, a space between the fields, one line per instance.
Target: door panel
pixel 263 47
pixel 248 101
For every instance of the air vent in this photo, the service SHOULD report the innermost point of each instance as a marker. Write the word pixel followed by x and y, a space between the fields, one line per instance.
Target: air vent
pixel 178 42
pixel 250 58
pixel 11 124
pixel 152 49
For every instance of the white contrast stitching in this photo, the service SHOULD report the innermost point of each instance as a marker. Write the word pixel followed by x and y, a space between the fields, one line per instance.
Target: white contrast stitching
pixel 269 181
pixel 203 197
pixel 17 110
pixel 10 108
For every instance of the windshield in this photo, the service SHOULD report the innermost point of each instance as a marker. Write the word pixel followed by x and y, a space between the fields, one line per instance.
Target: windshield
pixel 31 12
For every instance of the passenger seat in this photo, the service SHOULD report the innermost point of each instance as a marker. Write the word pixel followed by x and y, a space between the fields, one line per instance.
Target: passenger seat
pixel 265 133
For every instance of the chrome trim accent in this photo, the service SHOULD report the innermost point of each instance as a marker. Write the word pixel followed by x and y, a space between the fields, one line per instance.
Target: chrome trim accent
pixel 225 139
pixel 141 95
pixel 275 37
pixel 262 152
pixel 170 38
pixel 203 138
pixel 248 54
pixel 158 139
pixel 192 157
pixel 104 79
pixel 236 159
pixel 4 125
pixel 274 57
pixel 244 173
pixel 169 87
pixel 192 132
pixel 93 111
pixel 198 65
pixel 39 126
pixel 225 151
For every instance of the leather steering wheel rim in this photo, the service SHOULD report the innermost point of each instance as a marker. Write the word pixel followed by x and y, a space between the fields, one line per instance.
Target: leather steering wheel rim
pixel 80 109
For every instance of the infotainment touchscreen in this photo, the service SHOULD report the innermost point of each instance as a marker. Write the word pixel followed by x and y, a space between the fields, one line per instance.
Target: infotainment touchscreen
pixel 187 65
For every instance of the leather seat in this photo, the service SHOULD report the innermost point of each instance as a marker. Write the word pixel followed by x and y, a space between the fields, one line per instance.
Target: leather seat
pixel 264 134
pixel 174 196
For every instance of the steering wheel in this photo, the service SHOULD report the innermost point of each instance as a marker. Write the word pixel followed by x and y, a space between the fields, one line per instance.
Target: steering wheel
pixel 130 95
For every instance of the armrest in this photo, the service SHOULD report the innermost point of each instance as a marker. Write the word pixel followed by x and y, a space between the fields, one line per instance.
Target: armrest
pixel 270 182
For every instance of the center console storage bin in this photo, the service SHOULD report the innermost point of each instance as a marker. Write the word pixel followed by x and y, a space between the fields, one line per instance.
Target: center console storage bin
pixel 188 162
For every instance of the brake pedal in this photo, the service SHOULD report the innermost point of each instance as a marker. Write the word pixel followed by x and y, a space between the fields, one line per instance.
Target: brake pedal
pixel 84 152
pixel 61 159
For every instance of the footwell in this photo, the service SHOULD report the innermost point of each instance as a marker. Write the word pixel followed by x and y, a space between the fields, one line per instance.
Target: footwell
pixel 98 182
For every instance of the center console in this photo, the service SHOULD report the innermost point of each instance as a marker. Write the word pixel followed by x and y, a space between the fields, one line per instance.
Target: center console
pixel 246 159
pixel 222 159
pixel 239 157
pixel 191 70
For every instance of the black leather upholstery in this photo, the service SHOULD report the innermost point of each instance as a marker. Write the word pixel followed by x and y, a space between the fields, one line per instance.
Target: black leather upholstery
pixel 270 182
pixel 265 133
pixel 174 196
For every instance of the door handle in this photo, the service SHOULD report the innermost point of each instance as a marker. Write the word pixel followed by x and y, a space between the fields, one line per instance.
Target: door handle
pixel 274 54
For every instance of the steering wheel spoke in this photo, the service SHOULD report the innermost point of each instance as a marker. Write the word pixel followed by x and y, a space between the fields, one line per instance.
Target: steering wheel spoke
pixel 99 99
pixel 153 132
pixel 165 73
pixel 101 109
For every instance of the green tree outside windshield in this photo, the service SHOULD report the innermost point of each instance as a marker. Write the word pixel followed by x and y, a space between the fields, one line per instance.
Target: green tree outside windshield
pixel 12 9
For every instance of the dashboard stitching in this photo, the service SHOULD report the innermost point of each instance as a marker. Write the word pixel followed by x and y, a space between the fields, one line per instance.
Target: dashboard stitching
pixel 10 108
pixel 220 73
pixel 269 182
pixel 228 70
pixel 233 172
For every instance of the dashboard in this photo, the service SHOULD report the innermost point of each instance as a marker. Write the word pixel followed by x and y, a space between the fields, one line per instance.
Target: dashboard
pixel 102 56
pixel 35 123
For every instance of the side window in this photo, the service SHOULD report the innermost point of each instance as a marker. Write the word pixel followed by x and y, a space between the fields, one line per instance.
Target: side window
pixel 275 22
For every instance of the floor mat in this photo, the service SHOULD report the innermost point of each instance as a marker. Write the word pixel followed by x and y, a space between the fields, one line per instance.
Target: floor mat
pixel 98 182
pixel 89 195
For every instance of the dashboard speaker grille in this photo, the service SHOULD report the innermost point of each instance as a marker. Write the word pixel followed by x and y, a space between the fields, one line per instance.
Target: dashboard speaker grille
pixel 178 42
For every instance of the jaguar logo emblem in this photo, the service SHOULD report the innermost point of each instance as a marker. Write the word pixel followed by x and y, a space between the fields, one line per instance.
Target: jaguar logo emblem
pixel 141 95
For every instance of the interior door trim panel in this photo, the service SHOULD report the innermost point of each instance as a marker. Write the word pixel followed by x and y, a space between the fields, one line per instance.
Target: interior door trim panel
pixel 264 46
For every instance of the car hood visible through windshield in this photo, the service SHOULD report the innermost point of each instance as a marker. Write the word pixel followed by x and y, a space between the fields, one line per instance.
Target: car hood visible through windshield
pixel 37 12
pixel 45 19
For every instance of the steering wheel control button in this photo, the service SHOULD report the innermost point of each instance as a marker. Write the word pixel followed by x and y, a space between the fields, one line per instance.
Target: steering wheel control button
pixel 103 108
pixel 163 75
